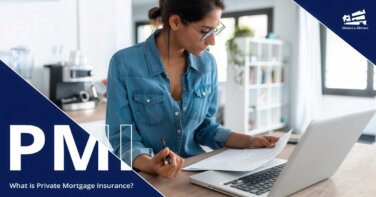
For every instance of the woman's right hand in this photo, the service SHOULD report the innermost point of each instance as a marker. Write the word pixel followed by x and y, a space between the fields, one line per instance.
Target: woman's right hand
pixel 167 170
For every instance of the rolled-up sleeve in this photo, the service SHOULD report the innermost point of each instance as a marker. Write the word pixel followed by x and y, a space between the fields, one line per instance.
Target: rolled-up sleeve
pixel 123 134
pixel 210 133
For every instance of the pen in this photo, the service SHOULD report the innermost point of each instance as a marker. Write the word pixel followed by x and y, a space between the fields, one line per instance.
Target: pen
pixel 167 159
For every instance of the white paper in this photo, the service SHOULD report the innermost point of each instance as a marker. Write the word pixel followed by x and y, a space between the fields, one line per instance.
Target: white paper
pixel 240 159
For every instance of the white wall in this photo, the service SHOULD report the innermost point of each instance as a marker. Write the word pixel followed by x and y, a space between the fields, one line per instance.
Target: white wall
pixel 106 26
pixel 286 26
pixel 42 25
pixel 39 25
pixel 141 11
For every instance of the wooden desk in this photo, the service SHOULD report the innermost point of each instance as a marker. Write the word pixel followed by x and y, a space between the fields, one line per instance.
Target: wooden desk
pixel 355 177
pixel 98 113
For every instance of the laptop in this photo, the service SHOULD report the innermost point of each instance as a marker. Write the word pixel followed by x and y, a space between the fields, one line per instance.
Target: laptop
pixel 318 155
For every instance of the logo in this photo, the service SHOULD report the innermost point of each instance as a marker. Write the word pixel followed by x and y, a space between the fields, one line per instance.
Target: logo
pixel 355 21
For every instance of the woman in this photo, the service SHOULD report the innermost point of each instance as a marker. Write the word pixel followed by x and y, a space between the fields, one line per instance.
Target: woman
pixel 166 89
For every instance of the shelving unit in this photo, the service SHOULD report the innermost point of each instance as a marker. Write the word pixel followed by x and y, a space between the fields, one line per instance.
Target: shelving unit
pixel 256 87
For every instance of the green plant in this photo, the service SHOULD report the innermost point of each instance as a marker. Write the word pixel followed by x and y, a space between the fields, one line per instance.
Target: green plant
pixel 236 56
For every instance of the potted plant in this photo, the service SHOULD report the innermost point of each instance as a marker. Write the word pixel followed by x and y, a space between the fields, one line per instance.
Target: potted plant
pixel 235 55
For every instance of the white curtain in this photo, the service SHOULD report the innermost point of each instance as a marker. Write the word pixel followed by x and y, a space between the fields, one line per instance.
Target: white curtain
pixel 307 89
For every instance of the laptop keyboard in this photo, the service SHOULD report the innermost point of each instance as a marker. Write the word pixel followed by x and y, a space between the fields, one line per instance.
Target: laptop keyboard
pixel 258 183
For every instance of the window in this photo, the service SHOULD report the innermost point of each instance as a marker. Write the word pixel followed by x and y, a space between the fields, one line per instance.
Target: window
pixel 143 31
pixel 261 21
pixel 344 70
pixel 219 49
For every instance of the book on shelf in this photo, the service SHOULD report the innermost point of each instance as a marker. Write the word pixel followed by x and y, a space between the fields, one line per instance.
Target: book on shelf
pixel 262 76
pixel 274 75
pixel 268 77
pixel 252 124
pixel 252 75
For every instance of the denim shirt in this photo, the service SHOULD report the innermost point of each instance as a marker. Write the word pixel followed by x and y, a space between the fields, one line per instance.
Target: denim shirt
pixel 140 108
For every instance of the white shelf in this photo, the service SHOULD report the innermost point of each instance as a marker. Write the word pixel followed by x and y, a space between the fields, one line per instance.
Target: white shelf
pixel 266 129
pixel 266 107
pixel 266 85
pixel 265 41
pixel 264 63
pixel 259 81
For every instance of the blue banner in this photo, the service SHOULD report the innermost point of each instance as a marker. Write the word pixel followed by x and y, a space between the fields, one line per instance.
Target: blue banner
pixel 353 21
pixel 29 124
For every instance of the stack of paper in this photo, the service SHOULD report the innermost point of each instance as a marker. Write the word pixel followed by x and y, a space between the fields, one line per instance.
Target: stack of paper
pixel 240 159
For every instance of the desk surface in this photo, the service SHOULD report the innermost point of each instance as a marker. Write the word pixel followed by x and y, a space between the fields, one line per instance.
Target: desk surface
pixel 355 177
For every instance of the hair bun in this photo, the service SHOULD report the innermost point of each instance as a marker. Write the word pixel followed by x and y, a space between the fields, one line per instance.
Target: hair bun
pixel 154 13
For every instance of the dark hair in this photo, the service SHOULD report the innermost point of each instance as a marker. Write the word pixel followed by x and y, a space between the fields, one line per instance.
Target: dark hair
pixel 190 11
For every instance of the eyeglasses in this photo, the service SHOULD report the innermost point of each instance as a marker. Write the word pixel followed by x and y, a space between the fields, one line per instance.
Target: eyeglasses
pixel 207 34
